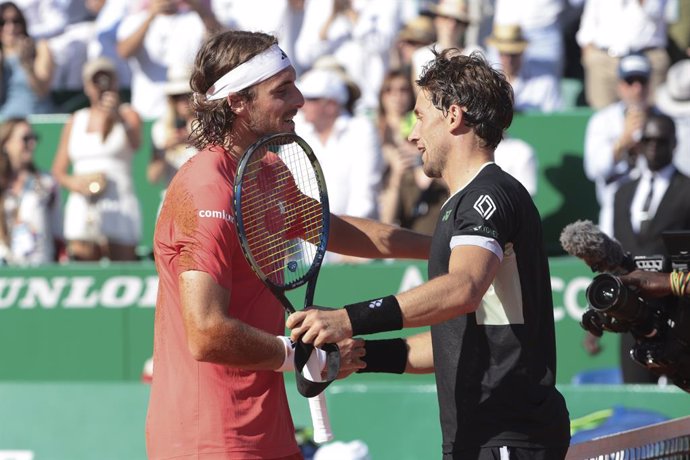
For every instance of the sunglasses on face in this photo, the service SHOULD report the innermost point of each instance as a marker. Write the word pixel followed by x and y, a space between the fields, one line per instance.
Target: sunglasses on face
pixel 656 140
pixel 30 138
pixel 633 80
pixel 15 21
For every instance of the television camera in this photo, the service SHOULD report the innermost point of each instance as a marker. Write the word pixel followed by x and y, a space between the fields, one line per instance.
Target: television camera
pixel 660 326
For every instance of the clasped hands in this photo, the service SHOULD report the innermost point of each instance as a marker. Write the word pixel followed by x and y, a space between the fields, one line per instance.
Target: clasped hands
pixel 320 325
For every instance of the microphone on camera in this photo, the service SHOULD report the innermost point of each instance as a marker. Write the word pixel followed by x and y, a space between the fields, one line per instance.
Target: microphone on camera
pixel 586 241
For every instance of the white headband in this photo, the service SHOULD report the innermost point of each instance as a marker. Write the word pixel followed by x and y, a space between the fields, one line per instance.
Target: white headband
pixel 259 68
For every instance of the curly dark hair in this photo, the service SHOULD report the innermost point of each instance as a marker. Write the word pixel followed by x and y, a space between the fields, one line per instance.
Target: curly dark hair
pixel 470 82
pixel 218 55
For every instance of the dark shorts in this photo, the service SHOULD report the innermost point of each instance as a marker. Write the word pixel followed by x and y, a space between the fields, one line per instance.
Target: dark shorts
pixel 510 453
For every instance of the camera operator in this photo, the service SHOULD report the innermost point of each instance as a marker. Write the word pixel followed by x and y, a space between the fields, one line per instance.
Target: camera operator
pixel 643 210
pixel 655 284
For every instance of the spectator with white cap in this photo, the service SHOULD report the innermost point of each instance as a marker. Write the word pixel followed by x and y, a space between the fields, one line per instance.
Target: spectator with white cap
pixel 170 133
pixel 533 88
pixel 347 146
pixel 673 98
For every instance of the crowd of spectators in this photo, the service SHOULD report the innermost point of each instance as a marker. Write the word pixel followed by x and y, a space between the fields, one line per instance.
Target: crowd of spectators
pixel 114 64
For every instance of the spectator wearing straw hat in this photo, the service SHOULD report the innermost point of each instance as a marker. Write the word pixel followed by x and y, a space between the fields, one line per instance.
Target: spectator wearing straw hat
pixel 533 88
pixel 417 33
pixel 451 21
pixel 673 98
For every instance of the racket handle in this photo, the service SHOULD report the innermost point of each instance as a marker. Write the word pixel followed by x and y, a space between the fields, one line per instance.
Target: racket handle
pixel 317 407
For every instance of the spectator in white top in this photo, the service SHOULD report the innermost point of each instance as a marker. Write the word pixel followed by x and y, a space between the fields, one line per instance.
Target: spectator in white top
pixel 517 158
pixel 45 18
pixel 451 20
pixel 534 87
pixel 347 146
pixel 282 18
pixel 358 33
pixel 69 48
pixel 673 99
pixel 104 40
pixel 166 33
pixel 614 132
pixel 614 28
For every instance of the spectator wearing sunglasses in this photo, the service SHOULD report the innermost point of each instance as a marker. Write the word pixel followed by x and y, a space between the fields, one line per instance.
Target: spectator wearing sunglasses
pixel 613 134
pixel 646 207
pixel 31 218
pixel 26 66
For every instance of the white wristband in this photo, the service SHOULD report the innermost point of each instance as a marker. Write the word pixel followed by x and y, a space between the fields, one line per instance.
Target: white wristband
pixel 289 361
pixel 318 356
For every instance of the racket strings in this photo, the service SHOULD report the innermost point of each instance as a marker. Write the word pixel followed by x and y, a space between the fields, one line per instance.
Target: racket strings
pixel 281 210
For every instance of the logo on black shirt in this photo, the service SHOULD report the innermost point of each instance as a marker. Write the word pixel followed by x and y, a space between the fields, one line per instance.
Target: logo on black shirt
pixel 485 206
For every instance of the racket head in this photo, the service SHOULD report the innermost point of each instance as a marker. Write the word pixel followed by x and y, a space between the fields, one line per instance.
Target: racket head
pixel 281 210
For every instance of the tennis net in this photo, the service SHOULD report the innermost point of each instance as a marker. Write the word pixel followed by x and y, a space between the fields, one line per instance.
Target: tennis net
pixel 667 440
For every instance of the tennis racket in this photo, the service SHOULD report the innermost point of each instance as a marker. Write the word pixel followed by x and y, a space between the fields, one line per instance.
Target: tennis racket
pixel 282 219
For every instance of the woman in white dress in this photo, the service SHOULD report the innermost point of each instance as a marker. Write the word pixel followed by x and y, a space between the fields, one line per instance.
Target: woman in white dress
pixel 102 215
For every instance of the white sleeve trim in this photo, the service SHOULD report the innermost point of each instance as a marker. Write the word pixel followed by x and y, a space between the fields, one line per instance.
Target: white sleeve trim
pixel 481 241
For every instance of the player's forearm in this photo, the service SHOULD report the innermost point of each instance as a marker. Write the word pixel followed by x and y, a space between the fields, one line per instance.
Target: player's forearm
pixel 420 356
pixel 411 355
pixel 236 344
pixel 360 237
pixel 128 46
pixel 439 300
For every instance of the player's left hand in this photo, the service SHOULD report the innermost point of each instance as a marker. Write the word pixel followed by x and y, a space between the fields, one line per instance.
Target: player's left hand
pixel 351 353
pixel 319 326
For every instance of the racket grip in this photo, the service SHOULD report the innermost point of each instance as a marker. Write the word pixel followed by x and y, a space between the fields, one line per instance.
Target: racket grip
pixel 317 407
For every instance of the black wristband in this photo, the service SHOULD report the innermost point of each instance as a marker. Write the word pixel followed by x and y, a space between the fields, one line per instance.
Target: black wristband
pixel 377 315
pixel 388 355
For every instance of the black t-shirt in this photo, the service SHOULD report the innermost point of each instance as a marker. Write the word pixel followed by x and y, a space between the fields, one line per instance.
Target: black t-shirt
pixel 496 367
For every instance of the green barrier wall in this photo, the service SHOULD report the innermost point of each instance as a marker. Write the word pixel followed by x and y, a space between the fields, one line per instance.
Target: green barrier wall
pixel 564 193
pixel 73 340
pixel 397 419
pixel 94 322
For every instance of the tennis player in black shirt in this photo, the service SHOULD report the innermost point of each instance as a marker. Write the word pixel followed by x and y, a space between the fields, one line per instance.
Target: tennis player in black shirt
pixel 488 299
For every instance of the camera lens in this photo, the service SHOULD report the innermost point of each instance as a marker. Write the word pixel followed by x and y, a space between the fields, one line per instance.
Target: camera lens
pixel 604 292
pixel 607 294
pixel 103 81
